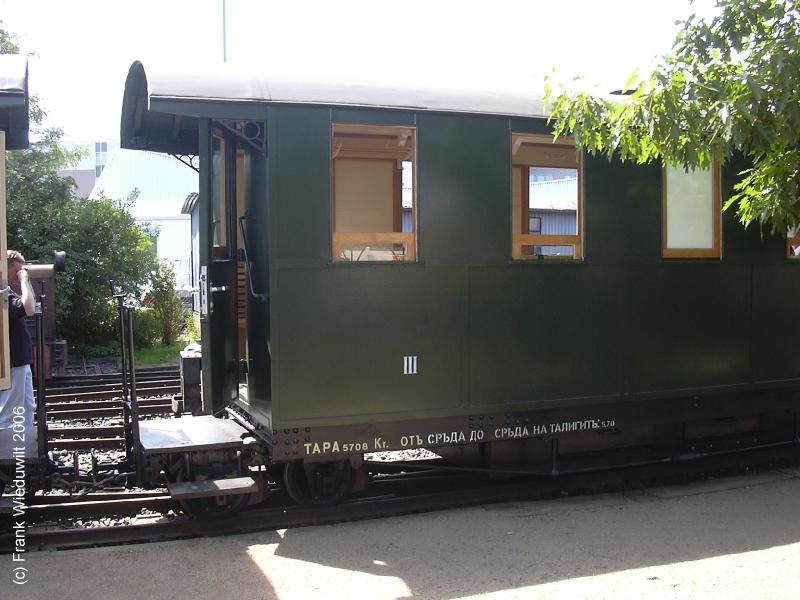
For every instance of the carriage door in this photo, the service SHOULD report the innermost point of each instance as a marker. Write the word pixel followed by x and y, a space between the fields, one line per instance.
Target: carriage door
pixel 230 294
pixel 220 326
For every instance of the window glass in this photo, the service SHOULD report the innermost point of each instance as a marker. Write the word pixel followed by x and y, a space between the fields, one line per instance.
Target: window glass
pixel 546 198
pixel 691 213
pixel 373 204
pixel 218 233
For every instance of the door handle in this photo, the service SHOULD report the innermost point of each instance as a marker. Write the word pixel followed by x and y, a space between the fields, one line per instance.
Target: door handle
pixel 221 288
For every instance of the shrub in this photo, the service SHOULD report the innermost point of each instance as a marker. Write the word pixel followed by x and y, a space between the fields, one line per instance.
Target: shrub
pixel 146 329
pixel 166 304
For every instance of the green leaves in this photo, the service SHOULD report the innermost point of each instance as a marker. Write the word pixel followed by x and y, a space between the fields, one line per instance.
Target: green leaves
pixel 730 86
pixel 168 309
pixel 100 237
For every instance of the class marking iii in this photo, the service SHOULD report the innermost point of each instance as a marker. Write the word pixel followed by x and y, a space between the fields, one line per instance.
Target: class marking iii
pixel 409 365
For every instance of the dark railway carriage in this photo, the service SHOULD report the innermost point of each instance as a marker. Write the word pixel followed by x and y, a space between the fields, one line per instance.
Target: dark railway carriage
pixel 388 268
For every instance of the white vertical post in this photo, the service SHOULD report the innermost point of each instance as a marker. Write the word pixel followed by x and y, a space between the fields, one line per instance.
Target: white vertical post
pixel 5 357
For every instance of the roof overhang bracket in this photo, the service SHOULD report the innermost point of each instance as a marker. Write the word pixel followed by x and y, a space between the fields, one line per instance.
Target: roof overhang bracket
pixel 252 133
pixel 190 160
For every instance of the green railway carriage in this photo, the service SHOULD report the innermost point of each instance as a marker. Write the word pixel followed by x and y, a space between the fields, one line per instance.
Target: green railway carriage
pixel 377 274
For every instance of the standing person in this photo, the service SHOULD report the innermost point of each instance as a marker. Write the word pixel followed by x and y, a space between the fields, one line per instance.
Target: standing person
pixel 21 391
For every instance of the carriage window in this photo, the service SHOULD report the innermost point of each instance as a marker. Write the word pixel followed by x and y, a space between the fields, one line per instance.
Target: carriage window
pixel 691 213
pixel 218 234
pixel 546 198
pixel 374 200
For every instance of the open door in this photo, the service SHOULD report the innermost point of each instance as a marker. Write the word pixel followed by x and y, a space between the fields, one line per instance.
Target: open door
pixel 233 297
pixel 219 285
pixel 5 358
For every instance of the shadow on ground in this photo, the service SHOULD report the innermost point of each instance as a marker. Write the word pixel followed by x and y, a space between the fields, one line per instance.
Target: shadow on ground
pixel 449 554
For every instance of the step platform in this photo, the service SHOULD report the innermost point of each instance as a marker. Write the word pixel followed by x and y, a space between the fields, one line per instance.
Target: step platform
pixel 161 436
pixel 208 488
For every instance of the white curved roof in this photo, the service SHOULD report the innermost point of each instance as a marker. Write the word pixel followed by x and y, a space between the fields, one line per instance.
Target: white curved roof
pixel 13 74
pixel 14 119
pixel 231 83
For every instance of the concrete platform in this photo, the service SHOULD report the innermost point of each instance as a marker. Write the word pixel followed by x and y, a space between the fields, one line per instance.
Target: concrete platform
pixel 733 539
pixel 189 433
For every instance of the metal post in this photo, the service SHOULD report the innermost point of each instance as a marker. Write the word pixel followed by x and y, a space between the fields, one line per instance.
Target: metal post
pixel 126 407
pixel 41 408
pixel 224 34
pixel 120 309
pixel 134 403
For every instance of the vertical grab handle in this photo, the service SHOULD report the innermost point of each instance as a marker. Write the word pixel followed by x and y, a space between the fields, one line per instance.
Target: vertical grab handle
pixel 262 297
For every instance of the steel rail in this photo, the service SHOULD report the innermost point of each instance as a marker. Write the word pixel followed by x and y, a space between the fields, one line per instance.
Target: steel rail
pixel 104 403
pixel 110 387
pixel 88 413
pixel 110 377
pixel 145 389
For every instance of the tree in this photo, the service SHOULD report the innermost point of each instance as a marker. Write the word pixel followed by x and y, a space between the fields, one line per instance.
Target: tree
pixel 100 237
pixel 103 243
pixel 167 306
pixel 729 88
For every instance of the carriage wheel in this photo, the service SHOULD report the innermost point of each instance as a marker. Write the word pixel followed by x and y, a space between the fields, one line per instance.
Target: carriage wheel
pixel 318 483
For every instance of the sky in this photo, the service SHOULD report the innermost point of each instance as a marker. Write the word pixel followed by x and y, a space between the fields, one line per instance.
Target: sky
pixel 84 48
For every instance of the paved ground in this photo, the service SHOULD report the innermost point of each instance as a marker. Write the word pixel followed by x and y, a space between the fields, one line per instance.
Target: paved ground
pixel 728 538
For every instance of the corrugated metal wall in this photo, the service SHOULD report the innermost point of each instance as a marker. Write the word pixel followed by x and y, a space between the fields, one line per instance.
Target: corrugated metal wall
pixel 557 222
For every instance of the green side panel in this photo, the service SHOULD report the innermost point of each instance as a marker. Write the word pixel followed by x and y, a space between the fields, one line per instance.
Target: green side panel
pixel 299 166
pixel 372 117
pixel 776 322
pixel 622 208
pixel 687 326
pixel 529 126
pixel 753 241
pixel 258 324
pixel 346 330
pixel 464 193
pixel 487 333
pixel 543 332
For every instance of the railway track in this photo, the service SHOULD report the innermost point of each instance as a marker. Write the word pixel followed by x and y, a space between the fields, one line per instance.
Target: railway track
pixel 98 397
pixel 81 422
pixel 389 495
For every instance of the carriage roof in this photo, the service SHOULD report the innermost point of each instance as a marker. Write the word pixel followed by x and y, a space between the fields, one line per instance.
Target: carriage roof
pixel 160 107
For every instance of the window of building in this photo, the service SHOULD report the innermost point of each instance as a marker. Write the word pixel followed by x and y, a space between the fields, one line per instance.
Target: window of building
pixel 100 157
pixel 374 198
pixel 546 198
pixel 691 213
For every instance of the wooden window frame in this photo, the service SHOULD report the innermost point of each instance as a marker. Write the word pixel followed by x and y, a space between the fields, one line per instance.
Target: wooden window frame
pixel 524 237
pixel 715 251
pixel 792 239
pixel 409 239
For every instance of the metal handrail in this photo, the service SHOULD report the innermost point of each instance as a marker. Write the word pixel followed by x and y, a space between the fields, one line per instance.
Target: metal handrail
pixel 262 297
